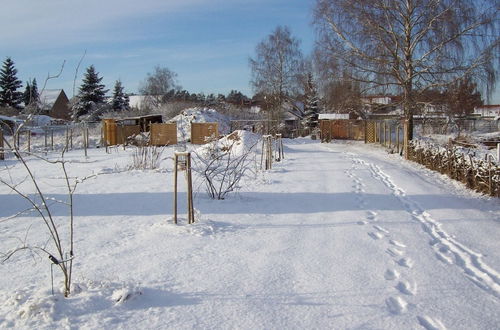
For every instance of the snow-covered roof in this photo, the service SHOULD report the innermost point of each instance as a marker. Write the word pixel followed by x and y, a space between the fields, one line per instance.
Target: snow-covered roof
pixel 329 116
pixel 135 101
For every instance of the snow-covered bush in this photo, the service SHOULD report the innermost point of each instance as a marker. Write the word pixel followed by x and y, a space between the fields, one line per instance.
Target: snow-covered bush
pixel 225 162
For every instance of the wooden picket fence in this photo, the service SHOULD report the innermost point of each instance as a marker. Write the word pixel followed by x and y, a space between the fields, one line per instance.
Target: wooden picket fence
pixel 480 175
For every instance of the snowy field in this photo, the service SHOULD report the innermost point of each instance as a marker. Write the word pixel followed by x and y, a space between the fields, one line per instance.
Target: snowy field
pixel 336 236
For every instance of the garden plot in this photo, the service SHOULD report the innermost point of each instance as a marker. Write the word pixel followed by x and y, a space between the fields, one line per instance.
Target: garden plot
pixel 337 235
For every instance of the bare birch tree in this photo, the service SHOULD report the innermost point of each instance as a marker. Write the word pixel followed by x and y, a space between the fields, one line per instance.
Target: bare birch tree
pixel 405 46
pixel 276 68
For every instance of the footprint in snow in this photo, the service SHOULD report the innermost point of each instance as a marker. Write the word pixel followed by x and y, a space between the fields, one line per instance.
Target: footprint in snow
pixel 371 215
pixel 375 235
pixel 381 229
pixel 445 257
pixel 396 243
pixel 391 274
pixel 430 323
pixel 361 223
pixel 405 262
pixel 405 288
pixel 396 305
pixel 394 252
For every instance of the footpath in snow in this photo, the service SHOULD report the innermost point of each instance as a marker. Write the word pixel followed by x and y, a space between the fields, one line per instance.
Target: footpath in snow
pixel 337 236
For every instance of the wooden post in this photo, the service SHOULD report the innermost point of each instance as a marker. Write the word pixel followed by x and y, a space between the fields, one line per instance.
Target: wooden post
pixel 405 139
pixel 267 153
pixel 182 162
pixel 28 135
pixel 397 138
pixel 45 138
pixel 498 153
pixel 390 136
pixel 176 161
pixel 52 139
pixel 490 177
pixel 189 189
pixel 2 154
pixel 279 148
pixel 71 138
pixel 85 141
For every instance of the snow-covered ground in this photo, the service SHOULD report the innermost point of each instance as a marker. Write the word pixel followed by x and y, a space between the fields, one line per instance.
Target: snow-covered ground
pixel 336 236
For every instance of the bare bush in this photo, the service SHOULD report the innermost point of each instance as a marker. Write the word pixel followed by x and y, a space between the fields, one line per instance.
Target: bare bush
pixel 146 158
pixel 223 164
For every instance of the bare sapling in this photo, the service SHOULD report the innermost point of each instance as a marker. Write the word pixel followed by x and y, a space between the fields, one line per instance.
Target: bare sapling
pixel 58 248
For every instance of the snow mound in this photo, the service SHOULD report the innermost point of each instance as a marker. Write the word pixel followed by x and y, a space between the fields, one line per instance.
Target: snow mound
pixel 236 144
pixel 199 115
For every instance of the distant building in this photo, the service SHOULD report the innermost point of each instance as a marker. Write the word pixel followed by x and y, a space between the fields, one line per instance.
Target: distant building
pixel 55 103
pixel 488 110
pixel 333 116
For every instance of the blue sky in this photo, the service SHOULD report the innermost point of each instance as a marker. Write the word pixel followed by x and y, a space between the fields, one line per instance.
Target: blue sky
pixel 206 42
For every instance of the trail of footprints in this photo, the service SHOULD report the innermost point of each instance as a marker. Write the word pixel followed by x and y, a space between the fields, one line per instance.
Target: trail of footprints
pixel 395 249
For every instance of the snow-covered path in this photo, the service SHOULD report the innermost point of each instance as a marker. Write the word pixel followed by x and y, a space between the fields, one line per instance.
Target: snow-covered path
pixel 337 236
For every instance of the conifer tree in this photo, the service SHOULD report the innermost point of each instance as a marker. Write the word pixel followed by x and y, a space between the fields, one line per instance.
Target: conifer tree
pixel 120 99
pixel 9 83
pixel 311 106
pixel 31 95
pixel 91 94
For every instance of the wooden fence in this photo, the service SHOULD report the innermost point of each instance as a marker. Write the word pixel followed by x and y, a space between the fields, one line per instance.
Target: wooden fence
pixel 163 134
pixel 342 129
pixel 202 133
pixel 114 134
pixel 480 175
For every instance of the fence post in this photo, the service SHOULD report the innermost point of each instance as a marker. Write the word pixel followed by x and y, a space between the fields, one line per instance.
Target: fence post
pixel 397 138
pixel 405 139
pixel 28 133
pixel 2 155
pixel 498 153
pixel 390 136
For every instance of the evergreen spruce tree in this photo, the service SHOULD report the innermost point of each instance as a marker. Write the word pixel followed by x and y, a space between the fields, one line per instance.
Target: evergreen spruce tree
pixel 311 105
pixel 120 99
pixel 9 83
pixel 30 95
pixel 27 94
pixel 91 95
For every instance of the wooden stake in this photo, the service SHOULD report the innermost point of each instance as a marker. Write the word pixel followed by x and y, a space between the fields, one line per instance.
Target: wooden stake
pixel 28 133
pixel 182 161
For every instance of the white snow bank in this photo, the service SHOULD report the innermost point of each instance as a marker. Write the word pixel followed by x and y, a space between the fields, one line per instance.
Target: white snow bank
pixel 199 115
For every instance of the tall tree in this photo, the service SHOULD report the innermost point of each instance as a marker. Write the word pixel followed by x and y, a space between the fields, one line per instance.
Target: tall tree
pixel 120 100
pixel 409 45
pixel 31 96
pixel 158 86
pixel 276 68
pixel 311 104
pixel 91 94
pixel 9 83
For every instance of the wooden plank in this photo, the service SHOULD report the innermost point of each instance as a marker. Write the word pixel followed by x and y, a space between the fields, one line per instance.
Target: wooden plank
pixel 202 133
pixel 163 134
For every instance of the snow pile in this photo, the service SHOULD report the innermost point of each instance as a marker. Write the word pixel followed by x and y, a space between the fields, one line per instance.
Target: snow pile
pixel 239 143
pixel 199 115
